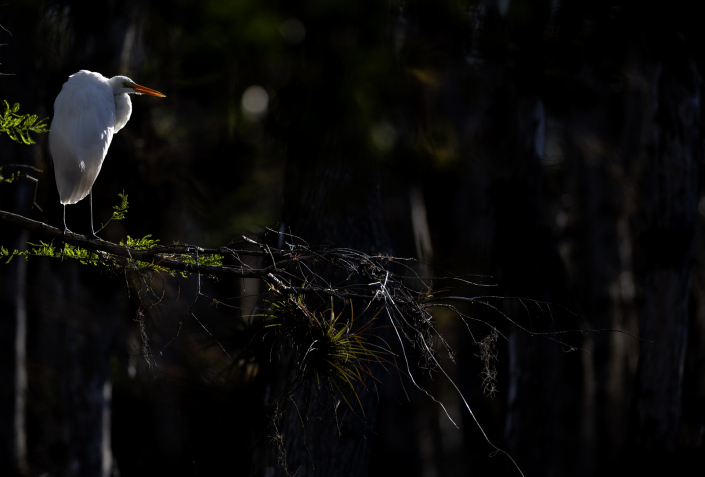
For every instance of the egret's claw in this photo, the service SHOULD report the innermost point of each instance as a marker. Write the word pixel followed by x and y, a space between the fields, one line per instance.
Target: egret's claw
pixel 63 242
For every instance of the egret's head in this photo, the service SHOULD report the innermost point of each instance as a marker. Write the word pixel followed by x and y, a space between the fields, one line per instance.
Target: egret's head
pixel 124 85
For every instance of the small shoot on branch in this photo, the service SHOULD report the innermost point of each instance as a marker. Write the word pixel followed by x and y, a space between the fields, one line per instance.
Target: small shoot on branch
pixel 119 211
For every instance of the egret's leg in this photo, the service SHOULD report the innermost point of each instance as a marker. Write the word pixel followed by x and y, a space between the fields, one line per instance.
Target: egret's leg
pixel 90 199
pixel 66 229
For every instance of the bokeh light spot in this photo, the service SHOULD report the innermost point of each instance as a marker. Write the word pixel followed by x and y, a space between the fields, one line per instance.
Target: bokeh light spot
pixel 255 100
pixel 383 136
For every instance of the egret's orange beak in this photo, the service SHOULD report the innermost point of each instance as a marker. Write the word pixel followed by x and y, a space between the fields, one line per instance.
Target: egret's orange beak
pixel 145 90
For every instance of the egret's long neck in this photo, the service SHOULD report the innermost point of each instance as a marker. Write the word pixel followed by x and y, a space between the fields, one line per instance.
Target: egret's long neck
pixel 123 110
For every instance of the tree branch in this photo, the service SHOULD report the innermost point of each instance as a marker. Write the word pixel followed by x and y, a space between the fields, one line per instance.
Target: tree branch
pixel 155 256
pixel 163 257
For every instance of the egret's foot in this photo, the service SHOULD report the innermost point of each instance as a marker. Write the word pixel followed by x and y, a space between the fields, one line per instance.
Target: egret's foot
pixel 63 242
pixel 95 236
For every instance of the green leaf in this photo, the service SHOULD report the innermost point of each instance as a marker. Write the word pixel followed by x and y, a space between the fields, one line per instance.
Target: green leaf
pixel 19 126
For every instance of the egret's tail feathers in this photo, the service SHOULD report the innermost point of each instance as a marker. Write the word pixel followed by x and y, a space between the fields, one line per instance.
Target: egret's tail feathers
pixel 76 182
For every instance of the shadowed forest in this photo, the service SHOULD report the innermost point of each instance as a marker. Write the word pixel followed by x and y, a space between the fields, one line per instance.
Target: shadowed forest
pixel 545 155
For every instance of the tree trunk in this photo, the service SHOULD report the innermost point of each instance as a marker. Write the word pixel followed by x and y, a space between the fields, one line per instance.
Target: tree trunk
pixel 13 374
pixel 527 267
pixel 13 329
pixel 331 198
pixel 670 199
pixel 71 402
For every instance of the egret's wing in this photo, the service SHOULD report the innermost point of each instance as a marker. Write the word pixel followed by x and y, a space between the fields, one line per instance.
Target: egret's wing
pixel 81 132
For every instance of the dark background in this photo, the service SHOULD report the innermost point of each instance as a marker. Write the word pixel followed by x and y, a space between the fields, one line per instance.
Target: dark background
pixel 555 146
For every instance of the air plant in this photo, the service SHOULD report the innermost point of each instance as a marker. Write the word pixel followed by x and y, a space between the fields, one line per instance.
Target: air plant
pixel 330 352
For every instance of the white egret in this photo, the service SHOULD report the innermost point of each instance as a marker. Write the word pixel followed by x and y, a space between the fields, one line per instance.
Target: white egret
pixel 87 112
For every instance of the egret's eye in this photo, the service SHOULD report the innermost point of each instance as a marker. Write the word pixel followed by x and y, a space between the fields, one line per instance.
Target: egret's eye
pixel 127 84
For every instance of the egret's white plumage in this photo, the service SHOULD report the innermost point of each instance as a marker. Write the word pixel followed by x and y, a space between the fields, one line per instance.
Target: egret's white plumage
pixel 87 112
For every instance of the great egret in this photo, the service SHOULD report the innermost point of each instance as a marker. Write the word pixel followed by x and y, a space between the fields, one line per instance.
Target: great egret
pixel 87 112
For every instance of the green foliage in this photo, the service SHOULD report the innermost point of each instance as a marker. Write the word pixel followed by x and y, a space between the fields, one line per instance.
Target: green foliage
pixel 87 257
pixel 18 126
pixel 144 243
pixel 49 250
pixel 6 253
pixel 119 211
pixel 212 260
pixel 147 242
pixel 9 179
